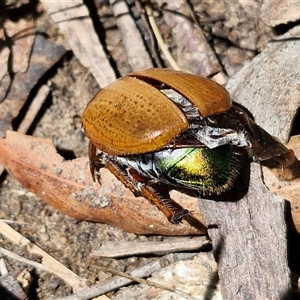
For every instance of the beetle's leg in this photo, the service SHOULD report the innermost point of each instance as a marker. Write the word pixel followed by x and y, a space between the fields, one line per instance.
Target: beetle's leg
pixel 139 187
pixel 121 175
pixel 95 162
pixel 171 209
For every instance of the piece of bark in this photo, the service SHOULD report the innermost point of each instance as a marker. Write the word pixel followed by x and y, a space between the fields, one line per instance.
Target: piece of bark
pixel 249 243
pixel 269 86
pixel 5 79
pixel 249 238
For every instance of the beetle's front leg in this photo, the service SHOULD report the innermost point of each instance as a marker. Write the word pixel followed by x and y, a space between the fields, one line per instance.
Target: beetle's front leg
pixel 139 186
pixel 95 162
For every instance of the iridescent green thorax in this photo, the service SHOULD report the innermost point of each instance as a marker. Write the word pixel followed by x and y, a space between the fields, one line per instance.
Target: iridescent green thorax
pixel 207 170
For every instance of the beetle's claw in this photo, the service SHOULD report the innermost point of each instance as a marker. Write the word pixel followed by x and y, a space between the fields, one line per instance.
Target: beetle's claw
pixel 177 217
pixel 97 176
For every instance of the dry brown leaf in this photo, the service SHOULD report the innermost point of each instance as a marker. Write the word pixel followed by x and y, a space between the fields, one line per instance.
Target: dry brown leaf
pixel 68 186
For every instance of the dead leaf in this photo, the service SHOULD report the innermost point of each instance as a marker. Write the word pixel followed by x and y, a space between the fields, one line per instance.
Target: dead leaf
pixel 68 186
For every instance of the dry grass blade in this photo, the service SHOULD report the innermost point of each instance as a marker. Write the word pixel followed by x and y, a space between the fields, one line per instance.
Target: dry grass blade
pixel 164 48
pixel 34 108
pixel 49 264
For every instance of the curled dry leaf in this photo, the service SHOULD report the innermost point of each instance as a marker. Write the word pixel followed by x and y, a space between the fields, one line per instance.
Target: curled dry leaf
pixel 68 186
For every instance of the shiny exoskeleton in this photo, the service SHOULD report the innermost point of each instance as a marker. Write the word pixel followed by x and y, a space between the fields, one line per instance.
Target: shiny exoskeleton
pixel 164 126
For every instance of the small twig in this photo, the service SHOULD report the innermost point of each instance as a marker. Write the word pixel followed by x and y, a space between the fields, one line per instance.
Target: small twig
pixel 41 267
pixel 34 108
pixel 184 244
pixel 118 282
pixel 18 223
pixel 164 48
pixel 142 21
pixel 3 269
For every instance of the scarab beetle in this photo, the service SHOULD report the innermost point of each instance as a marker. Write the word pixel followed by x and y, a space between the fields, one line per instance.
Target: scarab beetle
pixel 164 126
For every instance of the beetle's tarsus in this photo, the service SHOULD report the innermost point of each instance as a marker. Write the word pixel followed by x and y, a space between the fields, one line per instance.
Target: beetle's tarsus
pixel 178 216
